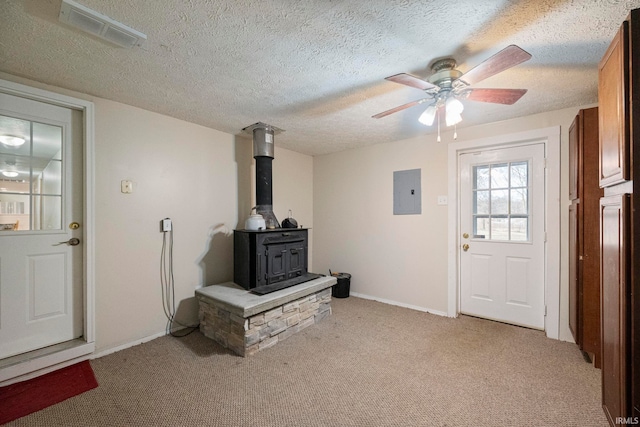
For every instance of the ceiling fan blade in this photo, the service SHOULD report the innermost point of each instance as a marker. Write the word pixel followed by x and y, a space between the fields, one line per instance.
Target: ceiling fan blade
pixel 399 108
pixel 508 57
pixel 409 80
pixel 496 96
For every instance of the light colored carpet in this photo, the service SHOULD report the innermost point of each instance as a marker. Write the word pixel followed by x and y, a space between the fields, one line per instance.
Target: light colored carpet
pixel 369 364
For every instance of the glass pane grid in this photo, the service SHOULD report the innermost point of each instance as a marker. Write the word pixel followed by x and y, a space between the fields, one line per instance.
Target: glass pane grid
pixel 501 201
pixel 31 193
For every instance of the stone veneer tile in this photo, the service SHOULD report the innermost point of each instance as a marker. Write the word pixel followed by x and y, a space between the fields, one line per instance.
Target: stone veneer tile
pixel 287 333
pixel 273 314
pixel 269 342
pixel 257 320
pixel 308 322
pixel 290 306
pixel 246 336
pixel 293 319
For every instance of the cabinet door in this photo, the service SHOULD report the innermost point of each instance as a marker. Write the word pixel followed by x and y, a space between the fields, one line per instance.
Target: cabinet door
pixel 613 90
pixel 614 235
pixel 574 276
pixel 574 158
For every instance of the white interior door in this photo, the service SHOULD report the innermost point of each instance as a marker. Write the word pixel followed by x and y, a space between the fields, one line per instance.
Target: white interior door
pixel 501 250
pixel 40 197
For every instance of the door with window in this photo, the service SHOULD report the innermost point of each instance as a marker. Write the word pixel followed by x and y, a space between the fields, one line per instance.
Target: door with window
pixel 501 249
pixel 41 257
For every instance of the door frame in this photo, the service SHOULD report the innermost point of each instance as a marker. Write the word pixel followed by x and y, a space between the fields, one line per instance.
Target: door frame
pixel 80 349
pixel 550 137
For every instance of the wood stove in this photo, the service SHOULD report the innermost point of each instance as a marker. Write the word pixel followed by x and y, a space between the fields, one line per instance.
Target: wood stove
pixel 275 258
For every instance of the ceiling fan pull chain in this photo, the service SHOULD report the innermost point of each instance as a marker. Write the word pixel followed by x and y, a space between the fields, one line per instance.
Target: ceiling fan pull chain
pixel 455 132
pixel 438 119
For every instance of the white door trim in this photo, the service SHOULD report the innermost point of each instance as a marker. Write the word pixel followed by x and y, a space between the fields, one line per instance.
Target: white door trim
pixel 39 365
pixel 551 138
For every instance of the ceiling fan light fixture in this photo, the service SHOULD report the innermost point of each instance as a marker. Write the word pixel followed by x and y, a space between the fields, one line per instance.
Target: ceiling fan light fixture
pixel 453 111
pixel 10 174
pixel 454 106
pixel 12 141
pixel 446 84
pixel 452 118
pixel 428 116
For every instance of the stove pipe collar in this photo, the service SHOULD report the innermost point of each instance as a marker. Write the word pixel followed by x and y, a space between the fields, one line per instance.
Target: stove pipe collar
pixel 262 139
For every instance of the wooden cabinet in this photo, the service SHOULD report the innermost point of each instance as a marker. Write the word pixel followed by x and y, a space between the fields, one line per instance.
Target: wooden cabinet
pixel 613 97
pixel 619 121
pixel 584 238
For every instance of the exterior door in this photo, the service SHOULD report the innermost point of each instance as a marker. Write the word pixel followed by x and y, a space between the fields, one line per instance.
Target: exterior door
pixel 501 251
pixel 41 265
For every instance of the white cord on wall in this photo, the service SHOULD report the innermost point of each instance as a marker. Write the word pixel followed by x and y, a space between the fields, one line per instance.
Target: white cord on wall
pixel 167 281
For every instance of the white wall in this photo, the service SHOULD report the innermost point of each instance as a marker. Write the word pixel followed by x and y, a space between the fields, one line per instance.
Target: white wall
pixel 181 171
pixel 403 258
pixel 200 178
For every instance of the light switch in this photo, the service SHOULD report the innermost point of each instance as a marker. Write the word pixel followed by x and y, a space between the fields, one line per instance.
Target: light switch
pixel 126 186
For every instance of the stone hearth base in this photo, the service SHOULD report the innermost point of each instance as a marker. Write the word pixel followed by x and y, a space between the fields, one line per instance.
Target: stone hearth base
pixel 247 323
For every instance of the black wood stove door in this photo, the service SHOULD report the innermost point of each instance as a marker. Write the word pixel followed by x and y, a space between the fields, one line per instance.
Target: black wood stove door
pixel 297 259
pixel 285 261
pixel 277 263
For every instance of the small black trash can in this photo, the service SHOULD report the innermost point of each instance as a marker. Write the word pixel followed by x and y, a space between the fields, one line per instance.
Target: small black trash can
pixel 341 289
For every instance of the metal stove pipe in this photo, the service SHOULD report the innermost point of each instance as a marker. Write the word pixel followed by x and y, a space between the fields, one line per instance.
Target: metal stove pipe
pixel 263 150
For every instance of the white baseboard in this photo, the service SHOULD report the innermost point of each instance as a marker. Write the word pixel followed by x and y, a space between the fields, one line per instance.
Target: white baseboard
pixel 133 343
pixel 400 304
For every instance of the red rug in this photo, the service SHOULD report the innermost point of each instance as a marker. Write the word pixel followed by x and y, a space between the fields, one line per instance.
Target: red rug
pixel 24 398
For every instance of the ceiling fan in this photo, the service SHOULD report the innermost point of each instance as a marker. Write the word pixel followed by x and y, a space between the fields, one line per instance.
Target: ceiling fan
pixel 447 86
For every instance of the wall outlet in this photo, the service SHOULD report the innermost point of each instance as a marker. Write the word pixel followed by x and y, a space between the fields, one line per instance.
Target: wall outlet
pixel 165 225
pixel 442 200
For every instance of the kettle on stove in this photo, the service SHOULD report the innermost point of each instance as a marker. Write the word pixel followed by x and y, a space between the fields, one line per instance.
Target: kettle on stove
pixel 289 222
pixel 255 222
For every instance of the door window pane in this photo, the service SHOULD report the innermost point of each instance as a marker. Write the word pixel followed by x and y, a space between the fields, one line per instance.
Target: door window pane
pixel 519 174
pixel 482 202
pixel 481 228
pixel 31 172
pixel 519 229
pixel 501 201
pixel 499 229
pixel 50 207
pixel 481 177
pixel 500 176
pixel 519 201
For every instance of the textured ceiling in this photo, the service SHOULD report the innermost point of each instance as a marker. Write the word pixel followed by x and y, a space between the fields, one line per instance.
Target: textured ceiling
pixel 314 68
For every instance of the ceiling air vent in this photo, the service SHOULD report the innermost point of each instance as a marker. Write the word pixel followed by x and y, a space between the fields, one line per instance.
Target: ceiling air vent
pixel 95 23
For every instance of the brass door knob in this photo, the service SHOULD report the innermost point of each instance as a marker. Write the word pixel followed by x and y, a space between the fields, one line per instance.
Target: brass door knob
pixel 465 247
